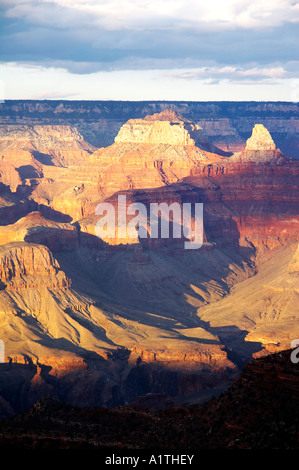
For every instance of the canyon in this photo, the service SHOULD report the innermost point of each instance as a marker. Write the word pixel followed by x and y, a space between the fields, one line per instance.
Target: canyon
pixel 109 322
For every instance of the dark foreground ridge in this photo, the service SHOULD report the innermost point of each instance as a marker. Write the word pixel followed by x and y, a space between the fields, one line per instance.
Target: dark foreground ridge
pixel 259 411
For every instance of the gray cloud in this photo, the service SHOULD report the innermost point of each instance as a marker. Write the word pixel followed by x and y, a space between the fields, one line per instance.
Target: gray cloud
pixel 251 73
pixel 86 37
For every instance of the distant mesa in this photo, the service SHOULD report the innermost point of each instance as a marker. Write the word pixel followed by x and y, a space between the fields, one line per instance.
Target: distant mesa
pixel 167 115
pixel 167 127
pixel 170 128
pixel 158 150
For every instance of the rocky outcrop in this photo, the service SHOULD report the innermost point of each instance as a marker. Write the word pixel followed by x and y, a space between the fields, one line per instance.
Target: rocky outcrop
pixel 260 139
pixel 157 150
pixel 137 165
pixel 262 199
pixel 9 175
pixel 37 229
pixel 260 148
pixel 166 127
pixel 28 265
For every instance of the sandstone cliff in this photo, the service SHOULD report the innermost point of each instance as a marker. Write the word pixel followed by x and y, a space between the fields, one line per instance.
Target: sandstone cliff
pixel 27 265
pixel 136 165
pixel 166 127
pixel 37 229
pixel 9 175
pixel 136 162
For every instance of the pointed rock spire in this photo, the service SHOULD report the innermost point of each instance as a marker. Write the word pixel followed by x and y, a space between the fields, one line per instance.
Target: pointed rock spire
pixel 260 148
pixel 260 139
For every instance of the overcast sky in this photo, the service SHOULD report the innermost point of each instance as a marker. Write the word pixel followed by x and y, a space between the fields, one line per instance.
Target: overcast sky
pixel 149 49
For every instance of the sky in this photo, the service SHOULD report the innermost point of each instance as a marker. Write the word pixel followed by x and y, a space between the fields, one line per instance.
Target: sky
pixel 193 50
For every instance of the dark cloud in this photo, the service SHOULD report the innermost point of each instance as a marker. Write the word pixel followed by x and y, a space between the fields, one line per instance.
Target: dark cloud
pixel 58 36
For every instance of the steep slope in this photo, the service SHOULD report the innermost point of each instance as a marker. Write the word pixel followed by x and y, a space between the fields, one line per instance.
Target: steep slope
pixel 263 307
pixel 37 229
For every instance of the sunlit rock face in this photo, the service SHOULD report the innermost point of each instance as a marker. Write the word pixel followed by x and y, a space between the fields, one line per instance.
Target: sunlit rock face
pixel 155 151
pixel 26 265
pixel 35 228
pixel 166 127
pixel 260 148
pixel 260 139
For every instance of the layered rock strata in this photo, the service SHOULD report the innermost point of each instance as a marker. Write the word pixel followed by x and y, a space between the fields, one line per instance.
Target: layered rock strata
pixel 28 265
pixel 107 325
